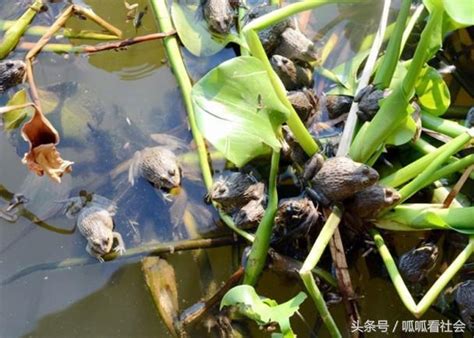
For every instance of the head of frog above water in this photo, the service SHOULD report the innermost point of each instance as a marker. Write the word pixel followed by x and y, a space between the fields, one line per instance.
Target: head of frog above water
pixel 11 73
pixel 218 14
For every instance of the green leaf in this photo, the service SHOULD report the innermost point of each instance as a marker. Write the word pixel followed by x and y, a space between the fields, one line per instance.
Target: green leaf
pixel 263 311
pixel 13 119
pixel 433 93
pixel 238 111
pixel 193 31
pixel 461 11
pixel 404 133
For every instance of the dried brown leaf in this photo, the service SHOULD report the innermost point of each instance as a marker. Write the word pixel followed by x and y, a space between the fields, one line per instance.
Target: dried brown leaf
pixel 43 156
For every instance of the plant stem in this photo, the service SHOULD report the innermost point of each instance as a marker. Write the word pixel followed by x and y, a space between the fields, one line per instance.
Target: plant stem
pixel 179 69
pixel 455 166
pixel 312 260
pixel 440 125
pixel 426 148
pixel 419 309
pixel 65 32
pixel 152 248
pixel 426 176
pixel 117 45
pixel 258 253
pixel 413 169
pixel 16 31
pixel 384 74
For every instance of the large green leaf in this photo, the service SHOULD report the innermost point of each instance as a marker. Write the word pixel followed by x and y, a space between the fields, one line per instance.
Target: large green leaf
pixel 461 11
pixel 263 311
pixel 238 111
pixel 12 119
pixel 432 91
pixel 193 31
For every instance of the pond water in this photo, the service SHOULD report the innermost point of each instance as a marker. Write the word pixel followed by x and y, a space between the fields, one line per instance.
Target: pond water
pixel 105 107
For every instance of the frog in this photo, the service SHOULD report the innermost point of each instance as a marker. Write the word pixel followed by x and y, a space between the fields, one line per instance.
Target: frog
pixel 270 37
pixel 250 215
pixel 416 264
pixel 95 222
pixel 219 15
pixel 337 178
pixel 10 212
pixel 12 73
pixel 464 299
pixel 366 204
pixel 158 165
pixel 233 190
pixel 294 76
pixel 368 99
pixel 338 105
pixel 294 45
pixel 294 216
pixel 305 103
pixel 291 150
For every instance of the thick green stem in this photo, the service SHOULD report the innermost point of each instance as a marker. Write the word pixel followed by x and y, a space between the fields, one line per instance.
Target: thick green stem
pixel 16 31
pixel 384 74
pixel 440 125
pixel 258 254
pixel 394 109
pixel 413 169
pixel 426 176
pixel 312 260
pixel 430 297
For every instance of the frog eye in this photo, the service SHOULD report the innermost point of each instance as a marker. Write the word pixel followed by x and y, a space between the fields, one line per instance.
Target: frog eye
pixel 221 190
pixel 10 64
pixel 105 241
pixel 365 170
pixel 284 60
pixel 171 172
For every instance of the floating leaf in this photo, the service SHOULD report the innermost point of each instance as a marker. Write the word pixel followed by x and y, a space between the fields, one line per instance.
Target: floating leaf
pixel 460 11
pixel 405 131
pixel 432 91
pixel 49 101
pixel 12 119
pixel 238 111
pixel 263 311
pixel 192 30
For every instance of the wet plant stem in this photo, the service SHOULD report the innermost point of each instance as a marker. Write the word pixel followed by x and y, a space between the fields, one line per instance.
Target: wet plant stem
pixel 179 69
pixel 426 176
pixel 410 171
pixel 430 297
pixel 65 32
pixel 261 244
pixel 441 125
pixel 312 260
pixel 385 72
pixel 394 109
pixel 15 32
pixel 426 148
pixel 152 248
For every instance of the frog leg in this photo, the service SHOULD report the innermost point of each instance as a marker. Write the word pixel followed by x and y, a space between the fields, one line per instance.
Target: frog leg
pixel 120 248
pixel 94 253
pixel 312 167
pixel 317 197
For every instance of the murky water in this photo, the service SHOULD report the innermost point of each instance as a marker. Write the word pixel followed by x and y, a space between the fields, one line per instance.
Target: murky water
pixel 107 105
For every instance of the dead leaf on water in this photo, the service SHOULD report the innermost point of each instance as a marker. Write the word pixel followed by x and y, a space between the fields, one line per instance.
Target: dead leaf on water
pixel 43 158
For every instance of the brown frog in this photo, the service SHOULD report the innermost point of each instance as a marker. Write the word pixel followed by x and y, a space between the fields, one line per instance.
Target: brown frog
pixel 293 76
pixel 158 165
pixel 233 190
pixel 337 178
pixel 338 105
pixel 294 45
pixel 294 216
pixel 219 15
pixel 94 220
pixel 270 37
pixel 304 102
pixel 415 264
pixel 250 215
pixel 11 73
pixel 367 203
